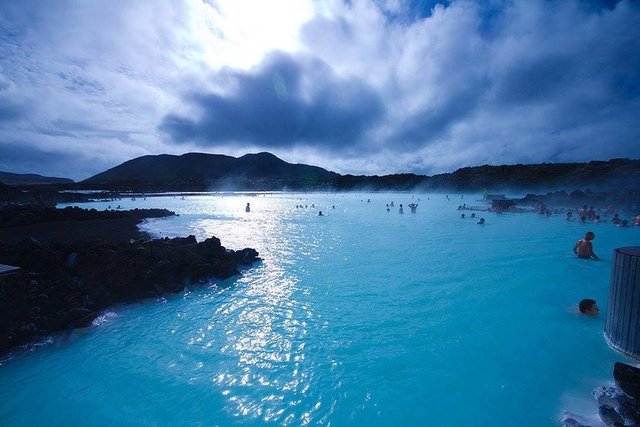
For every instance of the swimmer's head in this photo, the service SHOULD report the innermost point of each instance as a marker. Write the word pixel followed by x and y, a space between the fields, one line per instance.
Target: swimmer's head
pixel 589 235
pixel 588 306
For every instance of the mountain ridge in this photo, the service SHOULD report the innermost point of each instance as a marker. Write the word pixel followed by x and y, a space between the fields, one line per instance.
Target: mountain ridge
pixel 265 171
pixel 9 178
pixel 202 171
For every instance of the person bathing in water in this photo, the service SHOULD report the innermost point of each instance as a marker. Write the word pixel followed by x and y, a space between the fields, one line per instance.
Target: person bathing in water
pixel 583 247
pixel 588 306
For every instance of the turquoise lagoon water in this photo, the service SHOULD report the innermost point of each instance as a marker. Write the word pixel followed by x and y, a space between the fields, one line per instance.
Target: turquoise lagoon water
pixel 361 317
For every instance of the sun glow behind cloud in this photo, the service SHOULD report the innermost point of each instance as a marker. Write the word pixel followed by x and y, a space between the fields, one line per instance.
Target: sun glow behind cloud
pixel 239 33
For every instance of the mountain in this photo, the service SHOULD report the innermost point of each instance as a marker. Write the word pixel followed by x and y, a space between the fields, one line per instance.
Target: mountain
pixel 264 171
pixel 30 179
pixel 198 172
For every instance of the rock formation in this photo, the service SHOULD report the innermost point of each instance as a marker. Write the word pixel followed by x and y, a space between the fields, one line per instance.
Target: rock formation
pixel 66 285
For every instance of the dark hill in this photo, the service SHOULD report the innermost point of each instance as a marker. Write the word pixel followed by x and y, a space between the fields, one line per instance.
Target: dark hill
pixel 30 179
pixel 199 172
pixel 264 171
pixel 612 175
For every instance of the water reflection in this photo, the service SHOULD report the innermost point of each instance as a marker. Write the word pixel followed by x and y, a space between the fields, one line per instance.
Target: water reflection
pixel 253 343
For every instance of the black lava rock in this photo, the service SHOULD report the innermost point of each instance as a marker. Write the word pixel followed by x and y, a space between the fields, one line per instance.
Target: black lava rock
pixel 48 296
pixel 609 416
pixel 628 379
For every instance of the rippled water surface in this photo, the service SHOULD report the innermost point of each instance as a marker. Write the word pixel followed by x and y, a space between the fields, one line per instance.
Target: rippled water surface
pixel 360 317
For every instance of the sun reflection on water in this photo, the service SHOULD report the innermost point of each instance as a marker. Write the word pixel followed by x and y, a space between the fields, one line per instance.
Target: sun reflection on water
pixel 256 345
pixel 255 337
pixel 265 338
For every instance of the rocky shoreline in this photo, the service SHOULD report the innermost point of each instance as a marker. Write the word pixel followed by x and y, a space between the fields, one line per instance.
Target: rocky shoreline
pixel 18 215
pixel 65 284
pixel 72 224
pixel 619 405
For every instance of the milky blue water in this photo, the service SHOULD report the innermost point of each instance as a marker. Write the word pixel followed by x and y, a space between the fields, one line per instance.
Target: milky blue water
pixel 361 317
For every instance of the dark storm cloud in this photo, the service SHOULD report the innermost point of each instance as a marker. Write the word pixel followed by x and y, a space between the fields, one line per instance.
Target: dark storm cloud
pixel 554 82
pixel 432 123
pixel 534 80
pixel 286 101
pixel 607 62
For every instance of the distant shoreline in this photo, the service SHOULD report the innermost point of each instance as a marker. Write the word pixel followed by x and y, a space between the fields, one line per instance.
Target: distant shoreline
pixel 625 200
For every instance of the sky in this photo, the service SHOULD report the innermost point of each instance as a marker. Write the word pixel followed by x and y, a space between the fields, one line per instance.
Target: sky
pixel 354 86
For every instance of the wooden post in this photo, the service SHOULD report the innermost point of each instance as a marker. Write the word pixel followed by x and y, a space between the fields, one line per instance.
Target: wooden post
pixel 622 326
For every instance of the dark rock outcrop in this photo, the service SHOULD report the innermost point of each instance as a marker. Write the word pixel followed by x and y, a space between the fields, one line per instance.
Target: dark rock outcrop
pixel 72 224
pixel 572 420
pixel 618 407
pixel 627 378
pixel 610 396
pixel 64 286
pixel 16 215
pixel 609 416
